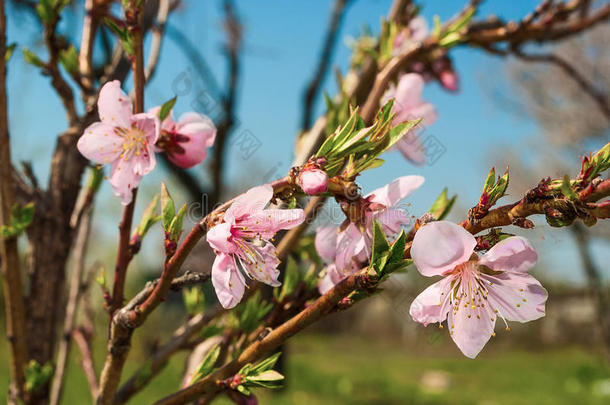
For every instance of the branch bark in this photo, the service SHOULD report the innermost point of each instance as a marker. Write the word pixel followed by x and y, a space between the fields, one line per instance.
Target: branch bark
pixel 13 288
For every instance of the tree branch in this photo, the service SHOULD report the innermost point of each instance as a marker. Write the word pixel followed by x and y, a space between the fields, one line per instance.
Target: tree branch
pixel 330 40
pixel 13 288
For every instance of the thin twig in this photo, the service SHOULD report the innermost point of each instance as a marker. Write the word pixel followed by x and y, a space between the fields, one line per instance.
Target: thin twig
pixel 13 288
pixel 74 295
pixel 84 345
pixel 157 39
pixel 330 40
pixel 585 84
pixel 233 30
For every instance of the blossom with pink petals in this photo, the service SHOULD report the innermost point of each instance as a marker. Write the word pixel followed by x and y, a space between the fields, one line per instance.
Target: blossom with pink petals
pixel 242 243
pixel 474 291
pixel 408 105
pixel 121 139
pixel 313 181
pixel 348 249
pixel 186 141
pixel 417 32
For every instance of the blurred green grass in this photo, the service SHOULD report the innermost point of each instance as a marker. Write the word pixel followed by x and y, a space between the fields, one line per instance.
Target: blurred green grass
pixel 340 369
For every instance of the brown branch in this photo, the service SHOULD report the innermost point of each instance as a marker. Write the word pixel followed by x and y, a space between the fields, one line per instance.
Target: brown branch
pixel 84 345
pixel 585 84
pixel 75 292
pixel 159 359
pixel 330 40
pixel 234 30
pixel 157 39
pixel 13 288
pixel 128 319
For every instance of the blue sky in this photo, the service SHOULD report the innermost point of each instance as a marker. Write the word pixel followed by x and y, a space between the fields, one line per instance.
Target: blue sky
pixel 282 42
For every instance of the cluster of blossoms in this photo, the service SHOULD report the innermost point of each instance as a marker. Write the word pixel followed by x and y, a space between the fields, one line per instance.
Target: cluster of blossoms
pixel 128 142
pixel 347 248
pixel 408 104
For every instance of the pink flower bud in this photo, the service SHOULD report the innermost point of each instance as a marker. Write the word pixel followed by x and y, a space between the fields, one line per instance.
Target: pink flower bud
pixel 313 181
pixel 187 140
pixel 449 80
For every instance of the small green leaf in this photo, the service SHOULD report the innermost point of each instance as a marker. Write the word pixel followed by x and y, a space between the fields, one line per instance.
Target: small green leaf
pixel 21 218
pixel 69 59
pixel 31 58
pixel 264 365
pixel 9 52
pixel 166 108
pixel 168 212
pixel 149 217
pixel 175 228
pixel 381 248
pixel 397 249
pixel 36 375
pixel 442 205
pixel 101 279
pixel 291 278
pixel 567 190
pixel 207 365
pixel 194 300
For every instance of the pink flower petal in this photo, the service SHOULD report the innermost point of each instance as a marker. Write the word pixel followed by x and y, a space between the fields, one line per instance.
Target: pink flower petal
pixel 219 238
pixel 470 328
pixel 516 296
pixel 391 221
pixel 514 254
pixel 331 278
pixel 326 243
pixel 100 144
pixel 200 132
pixel 227 280
pixel 262 265
pixel 440 246
pixel 114 107
pixel 253 201
pixel 390 194
pixel 432 304
pixel 124 179
pixel 272 220
pixel 419 29
pixel 408 91
pixel 411 148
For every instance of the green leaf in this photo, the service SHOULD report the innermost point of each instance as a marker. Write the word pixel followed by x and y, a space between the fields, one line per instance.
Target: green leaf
pixel 36 376
pixel 442 205
pixel 264 365
pixel 436 30
pixel 95 178
pixel 175 228
pixel 251 312
pixel 101 279
pixel 21 218
pixel 69 59
pixel 381 249
pixel 31 58
pixel 397 249
pixel 567 190
pixel 194 300
pixel 9 52
pixel 168 211
pixel 149 217
pixel 291 278
pixel 207 365
pixel 166 108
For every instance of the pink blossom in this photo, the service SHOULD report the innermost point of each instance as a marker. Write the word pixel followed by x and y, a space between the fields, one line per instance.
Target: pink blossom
pixel 242 242
pixel 186 141
pixel 417 32
pixel 122 139
pixel 348 250
pixel 474 291
pixel 313 181
pixel 409 106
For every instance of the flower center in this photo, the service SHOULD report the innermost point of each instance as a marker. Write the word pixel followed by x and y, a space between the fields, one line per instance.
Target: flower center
pixel 134 142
